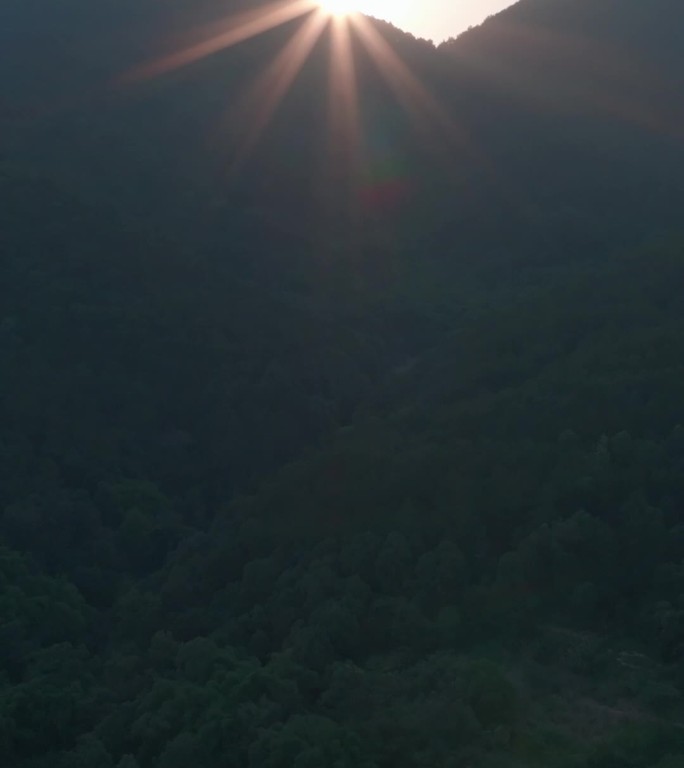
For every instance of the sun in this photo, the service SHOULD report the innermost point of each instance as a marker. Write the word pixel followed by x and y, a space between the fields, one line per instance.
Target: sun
pixel 339 8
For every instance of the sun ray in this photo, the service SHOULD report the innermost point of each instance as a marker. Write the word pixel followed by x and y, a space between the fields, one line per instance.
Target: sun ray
pixel 343 99
pixel 341 164
pixel 224 35
pixel 419 103
pixel 428 116
pixel 264 97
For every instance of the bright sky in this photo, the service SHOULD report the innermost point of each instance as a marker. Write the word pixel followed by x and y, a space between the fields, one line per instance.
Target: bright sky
pixel 434 19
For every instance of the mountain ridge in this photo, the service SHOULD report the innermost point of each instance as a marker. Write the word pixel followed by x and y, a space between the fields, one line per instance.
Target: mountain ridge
pixel 369 462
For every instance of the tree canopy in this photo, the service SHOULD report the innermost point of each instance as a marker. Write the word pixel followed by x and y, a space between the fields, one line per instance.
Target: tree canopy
pixel 311 464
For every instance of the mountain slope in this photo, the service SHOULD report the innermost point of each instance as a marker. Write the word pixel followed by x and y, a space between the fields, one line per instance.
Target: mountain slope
pixel 304 464
pixel 576 102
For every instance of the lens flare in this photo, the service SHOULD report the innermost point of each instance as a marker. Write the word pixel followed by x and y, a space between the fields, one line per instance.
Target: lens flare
pixel 350 165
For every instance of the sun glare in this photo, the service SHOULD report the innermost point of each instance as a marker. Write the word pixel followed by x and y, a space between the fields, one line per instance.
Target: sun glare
pixel 347 27
pixel 339 8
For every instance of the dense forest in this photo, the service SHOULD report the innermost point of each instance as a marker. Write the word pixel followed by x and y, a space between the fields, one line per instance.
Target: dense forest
pixel 319 458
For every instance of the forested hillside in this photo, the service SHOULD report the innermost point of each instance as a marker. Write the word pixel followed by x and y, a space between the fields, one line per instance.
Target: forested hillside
pixel 308 462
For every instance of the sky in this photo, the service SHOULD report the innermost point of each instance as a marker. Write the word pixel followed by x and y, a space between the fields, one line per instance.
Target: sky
pixel 433 19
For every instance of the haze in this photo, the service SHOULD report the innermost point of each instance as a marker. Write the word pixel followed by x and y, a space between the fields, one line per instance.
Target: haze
pixel 435 20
